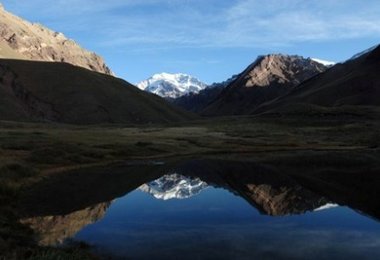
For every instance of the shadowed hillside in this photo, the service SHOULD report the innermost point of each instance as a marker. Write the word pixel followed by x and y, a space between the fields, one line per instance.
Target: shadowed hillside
pixel 60 92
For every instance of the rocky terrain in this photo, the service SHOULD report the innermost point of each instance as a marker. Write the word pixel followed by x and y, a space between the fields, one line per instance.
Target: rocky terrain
pixel 267 78
pixel 292 84
pixel 20 39
pixel 354 83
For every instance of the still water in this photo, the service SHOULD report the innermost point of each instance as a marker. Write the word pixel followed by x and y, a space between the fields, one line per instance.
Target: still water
pixel 242 211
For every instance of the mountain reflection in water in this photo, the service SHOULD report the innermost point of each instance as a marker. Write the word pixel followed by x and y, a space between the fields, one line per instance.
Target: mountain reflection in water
pixel 60 207
pixel 174 186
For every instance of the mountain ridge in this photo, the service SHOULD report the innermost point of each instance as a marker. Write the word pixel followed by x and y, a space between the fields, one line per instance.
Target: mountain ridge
pixel 268 77
pixel 352 83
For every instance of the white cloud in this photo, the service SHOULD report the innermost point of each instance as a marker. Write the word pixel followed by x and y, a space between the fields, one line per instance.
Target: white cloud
pixel 291 21
pixel 213 23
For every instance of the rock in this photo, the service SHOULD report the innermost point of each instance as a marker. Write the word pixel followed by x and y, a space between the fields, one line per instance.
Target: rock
pixel 34 41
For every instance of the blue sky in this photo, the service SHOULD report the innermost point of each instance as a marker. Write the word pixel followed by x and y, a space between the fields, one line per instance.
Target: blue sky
pixel 210 39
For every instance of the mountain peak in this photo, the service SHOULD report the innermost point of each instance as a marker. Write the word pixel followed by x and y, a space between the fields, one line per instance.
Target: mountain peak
pixel 353 83
pixel 280 69
pixel 169 85
pixel 267 78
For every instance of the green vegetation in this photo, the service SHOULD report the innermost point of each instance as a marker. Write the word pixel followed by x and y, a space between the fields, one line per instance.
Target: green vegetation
pixel 34 149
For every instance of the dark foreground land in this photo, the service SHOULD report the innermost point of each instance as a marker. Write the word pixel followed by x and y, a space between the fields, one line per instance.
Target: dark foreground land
pixel 339 146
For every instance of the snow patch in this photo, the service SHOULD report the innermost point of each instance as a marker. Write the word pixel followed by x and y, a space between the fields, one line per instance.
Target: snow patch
pixel 326 206
pixel 172 85
pixel 324 62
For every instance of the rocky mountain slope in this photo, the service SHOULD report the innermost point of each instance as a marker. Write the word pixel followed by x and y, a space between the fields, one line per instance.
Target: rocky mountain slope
pixel 267 78
pixel 60 92
pixel 355 82
pixel 20 39
pixel 172 85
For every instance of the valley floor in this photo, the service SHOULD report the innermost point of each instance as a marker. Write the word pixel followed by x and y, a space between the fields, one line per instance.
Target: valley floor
pixel 30 152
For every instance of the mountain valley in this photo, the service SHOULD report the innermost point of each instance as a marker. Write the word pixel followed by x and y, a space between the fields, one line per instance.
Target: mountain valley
pixel 289 136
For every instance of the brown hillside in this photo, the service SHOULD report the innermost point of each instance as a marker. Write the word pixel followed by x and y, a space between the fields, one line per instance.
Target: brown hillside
pixel 60 92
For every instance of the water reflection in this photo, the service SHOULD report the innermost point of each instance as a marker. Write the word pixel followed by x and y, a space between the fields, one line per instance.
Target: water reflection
pixel 174 186
pixel 228 201
pixel 54 230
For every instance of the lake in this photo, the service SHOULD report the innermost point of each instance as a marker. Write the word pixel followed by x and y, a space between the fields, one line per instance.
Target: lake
pixel 209 209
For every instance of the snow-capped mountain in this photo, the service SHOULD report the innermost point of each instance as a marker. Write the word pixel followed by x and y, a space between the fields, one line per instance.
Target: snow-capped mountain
pixel 174 186
pixel 324 62
pixel 172 85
